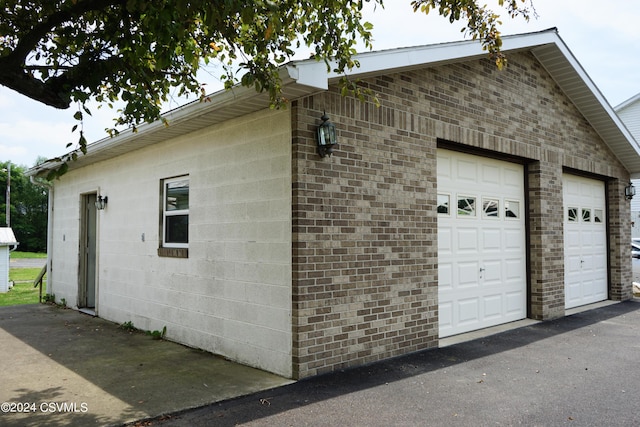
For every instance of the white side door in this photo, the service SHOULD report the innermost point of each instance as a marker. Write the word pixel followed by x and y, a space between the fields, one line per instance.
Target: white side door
pixel 585 241
pixel 481 242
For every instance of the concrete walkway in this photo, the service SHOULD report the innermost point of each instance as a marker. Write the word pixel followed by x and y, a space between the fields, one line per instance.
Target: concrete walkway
pixel 69 369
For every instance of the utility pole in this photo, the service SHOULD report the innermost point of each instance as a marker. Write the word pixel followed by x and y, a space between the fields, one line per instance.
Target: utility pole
pixel 8 193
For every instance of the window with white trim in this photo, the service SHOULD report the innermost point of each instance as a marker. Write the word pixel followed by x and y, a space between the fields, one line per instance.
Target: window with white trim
pixel 175 212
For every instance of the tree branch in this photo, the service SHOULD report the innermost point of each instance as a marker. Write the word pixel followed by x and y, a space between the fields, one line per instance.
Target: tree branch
pixel 16 75
pixel 29 42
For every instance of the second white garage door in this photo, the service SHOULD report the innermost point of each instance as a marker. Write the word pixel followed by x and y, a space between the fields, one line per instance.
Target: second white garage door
pixel 585 241
pixel 481 242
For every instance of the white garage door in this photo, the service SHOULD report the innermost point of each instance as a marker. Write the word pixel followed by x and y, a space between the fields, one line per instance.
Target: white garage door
pixel 585 241
pixel 481 242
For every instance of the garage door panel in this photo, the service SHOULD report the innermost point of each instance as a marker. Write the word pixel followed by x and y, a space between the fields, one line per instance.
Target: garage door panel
pixel 573 292
pixel 466 171
pixel 514 269
pixel 572 239
pixel 585 241
pixel 492 272
pixel 445 242
pixel 488 257
pixel 445 315
pixel 490 176
pixel 512 180
pixel 491 239
pixel 468 311
pixel 571 187
pixel 600 240
pixel 493 307
pixel 515 302
pixel 513 239
pixel 445 276
pixel 467 241
pixel 445 168
pixel 573 264
pixel 467 275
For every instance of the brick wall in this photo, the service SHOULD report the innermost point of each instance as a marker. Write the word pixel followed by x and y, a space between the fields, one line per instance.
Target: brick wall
pixel 364 220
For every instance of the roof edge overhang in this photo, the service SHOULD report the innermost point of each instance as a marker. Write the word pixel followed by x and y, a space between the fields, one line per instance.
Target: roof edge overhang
pixel 628 102
pixel 247 99
pixel 7 237
pixel 305 77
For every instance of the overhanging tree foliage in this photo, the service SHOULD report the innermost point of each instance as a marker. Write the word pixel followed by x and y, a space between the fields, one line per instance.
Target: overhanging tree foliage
pixel 62 52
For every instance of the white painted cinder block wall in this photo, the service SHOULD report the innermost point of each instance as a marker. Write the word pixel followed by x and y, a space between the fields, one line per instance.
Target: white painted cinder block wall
pixel 232 296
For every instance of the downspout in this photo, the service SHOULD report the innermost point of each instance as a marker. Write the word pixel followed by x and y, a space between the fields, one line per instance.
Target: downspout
pixel 49 230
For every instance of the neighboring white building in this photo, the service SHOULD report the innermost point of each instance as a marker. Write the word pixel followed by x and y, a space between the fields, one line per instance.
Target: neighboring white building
pixel 629 113
pixel 7 242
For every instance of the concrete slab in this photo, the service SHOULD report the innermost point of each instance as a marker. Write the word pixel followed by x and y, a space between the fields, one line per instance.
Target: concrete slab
pixel 60 367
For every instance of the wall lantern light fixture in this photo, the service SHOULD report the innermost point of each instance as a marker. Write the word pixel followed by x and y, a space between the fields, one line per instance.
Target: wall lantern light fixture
pixel 101 202
pixel 327 140
pixel 629 191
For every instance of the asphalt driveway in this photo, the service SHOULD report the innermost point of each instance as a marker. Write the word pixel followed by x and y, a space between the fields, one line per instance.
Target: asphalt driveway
pixel 581 370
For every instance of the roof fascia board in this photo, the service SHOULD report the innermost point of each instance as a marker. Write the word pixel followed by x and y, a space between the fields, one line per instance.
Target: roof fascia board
pixel 317 74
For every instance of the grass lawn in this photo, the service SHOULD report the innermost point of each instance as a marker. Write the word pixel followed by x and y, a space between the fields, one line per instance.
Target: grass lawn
pixel 22 293
pixel 18 254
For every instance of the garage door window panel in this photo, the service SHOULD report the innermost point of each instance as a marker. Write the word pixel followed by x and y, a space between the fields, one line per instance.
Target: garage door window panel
pixel 491 208
pixel 444 201
pixel 572 214
pixel 466 206
pixel 598 215
pixel 511 209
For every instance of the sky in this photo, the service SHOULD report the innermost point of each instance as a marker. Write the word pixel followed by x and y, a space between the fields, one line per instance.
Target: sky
pixel 603 36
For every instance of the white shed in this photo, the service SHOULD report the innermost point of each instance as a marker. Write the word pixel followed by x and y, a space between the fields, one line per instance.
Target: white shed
pixel 7 241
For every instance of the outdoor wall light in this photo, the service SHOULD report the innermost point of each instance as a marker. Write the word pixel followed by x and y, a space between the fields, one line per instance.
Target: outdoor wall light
pixel 326 137
pixel 629 191
pixel 101 202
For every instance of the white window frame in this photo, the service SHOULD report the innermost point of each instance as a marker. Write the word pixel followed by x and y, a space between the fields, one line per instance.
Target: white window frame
pixel 166 213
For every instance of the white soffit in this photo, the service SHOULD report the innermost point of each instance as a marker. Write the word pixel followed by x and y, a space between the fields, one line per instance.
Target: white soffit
pixel 580 89
pixel 302 78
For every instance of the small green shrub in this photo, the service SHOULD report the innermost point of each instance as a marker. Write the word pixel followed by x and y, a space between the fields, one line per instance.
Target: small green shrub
pixel 158 335
pixel 128 326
